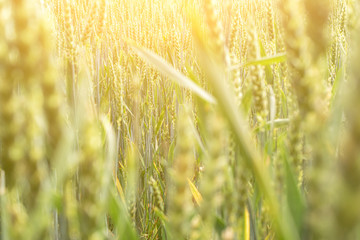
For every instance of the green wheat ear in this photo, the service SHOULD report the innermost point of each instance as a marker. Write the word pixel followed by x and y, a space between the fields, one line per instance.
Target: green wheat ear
pixel 179 201
pixel 213 177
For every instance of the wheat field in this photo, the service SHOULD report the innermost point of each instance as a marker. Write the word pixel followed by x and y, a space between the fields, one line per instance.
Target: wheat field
pixel 179 119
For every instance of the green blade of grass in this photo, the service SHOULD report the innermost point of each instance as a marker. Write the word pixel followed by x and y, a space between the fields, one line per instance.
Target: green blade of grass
pixel 118 215
pixel 195 192
pixel 267 60
pixel 295 199
pixel 168 70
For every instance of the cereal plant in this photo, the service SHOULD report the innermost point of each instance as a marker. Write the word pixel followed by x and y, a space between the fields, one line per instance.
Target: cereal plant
pixel 164 119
